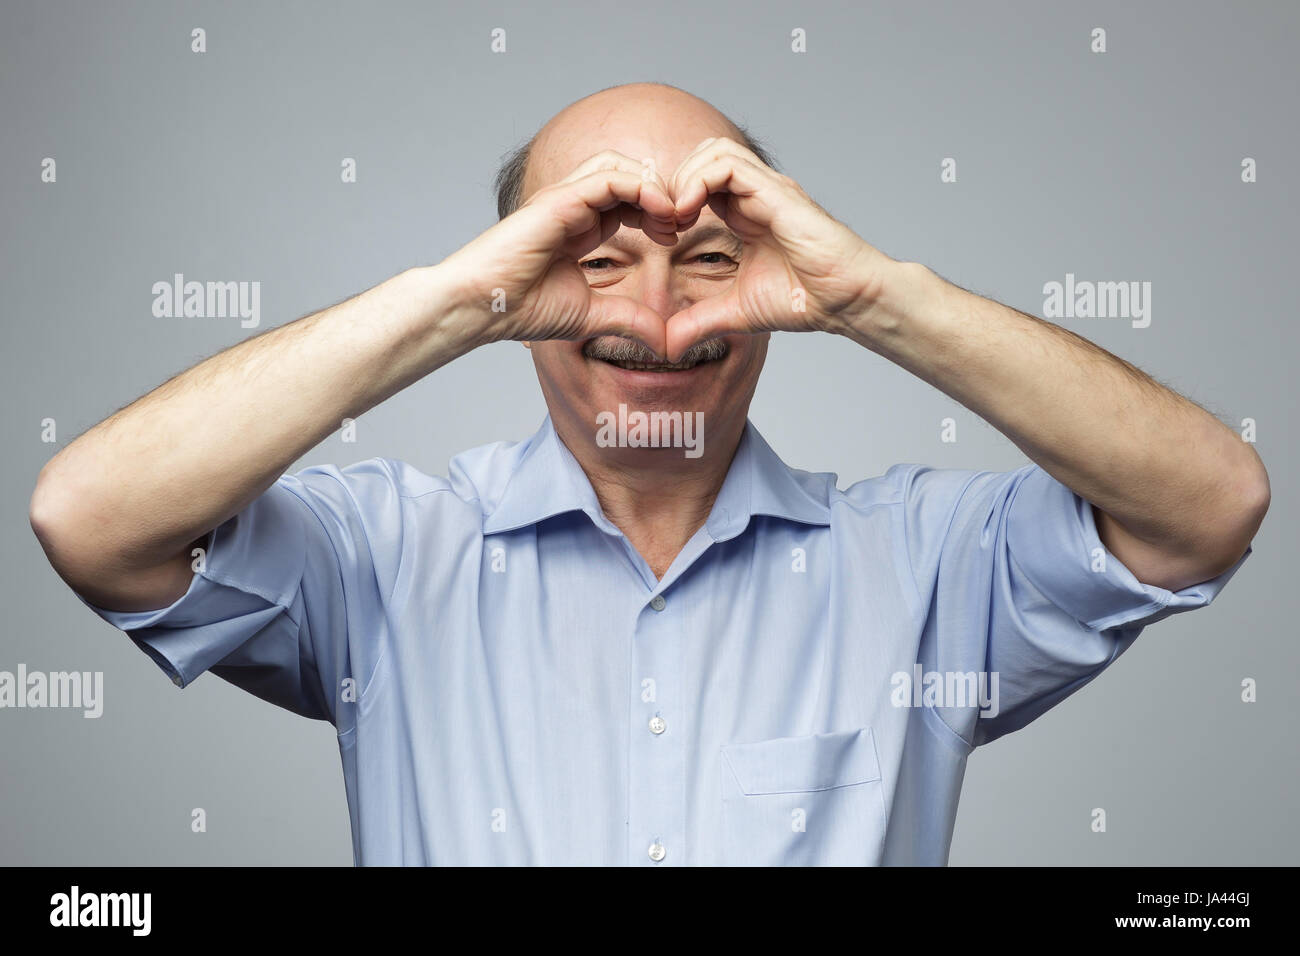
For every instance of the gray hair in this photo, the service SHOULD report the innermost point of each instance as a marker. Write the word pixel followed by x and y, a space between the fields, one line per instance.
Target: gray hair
pixel 509 182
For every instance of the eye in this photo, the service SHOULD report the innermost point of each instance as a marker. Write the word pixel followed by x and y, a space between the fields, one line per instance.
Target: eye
pixel 718 259
pixel 591 264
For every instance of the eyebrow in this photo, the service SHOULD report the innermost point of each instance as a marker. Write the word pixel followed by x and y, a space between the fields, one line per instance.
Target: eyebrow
pixel 710 233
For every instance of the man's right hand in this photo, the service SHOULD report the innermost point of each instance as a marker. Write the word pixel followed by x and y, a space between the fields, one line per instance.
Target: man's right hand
pixel 119 509
pixel 523 273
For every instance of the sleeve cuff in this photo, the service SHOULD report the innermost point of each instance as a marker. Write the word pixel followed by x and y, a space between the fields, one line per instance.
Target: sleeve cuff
pixel 133 622
pixel 199 629
pixel 1052 535
pixel 254 564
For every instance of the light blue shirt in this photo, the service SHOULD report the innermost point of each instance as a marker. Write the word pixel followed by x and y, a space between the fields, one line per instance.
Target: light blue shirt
pixel 511 685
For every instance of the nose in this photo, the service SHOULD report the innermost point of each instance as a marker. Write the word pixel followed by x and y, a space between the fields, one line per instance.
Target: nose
pixel 658 288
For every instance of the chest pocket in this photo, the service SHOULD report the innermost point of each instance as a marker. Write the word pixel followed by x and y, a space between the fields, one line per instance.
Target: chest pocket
pixel 813 800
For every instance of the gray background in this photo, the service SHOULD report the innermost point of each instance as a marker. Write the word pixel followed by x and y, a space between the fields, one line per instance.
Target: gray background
pixel 225 165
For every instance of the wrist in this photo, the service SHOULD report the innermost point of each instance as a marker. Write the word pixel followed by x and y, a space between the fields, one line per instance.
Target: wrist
pixel 899 292
pixel 449 308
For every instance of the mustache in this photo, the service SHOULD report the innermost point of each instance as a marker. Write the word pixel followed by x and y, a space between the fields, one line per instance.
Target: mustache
pixel 616 349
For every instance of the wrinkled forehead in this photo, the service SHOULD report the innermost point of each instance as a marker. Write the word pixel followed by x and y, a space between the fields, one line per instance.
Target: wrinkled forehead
pixel 665 137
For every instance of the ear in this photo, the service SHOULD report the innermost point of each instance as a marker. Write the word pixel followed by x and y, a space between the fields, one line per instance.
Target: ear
pixel 527 345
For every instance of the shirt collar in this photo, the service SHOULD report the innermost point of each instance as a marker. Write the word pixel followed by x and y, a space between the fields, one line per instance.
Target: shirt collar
pixel 547 480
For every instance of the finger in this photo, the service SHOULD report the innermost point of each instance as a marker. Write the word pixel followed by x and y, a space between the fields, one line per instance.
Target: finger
pixel 610 221
pixel 626 317
pixel 721 206
pixel 709 151
pixel 759 195
pixel 613 159
pixel 606 188
pixel 709 318
pixel 665 234
pixel 576 205
pixel 578 210
pixel 700 148
pixel 610 159
pixel 685 224
pixel 715 147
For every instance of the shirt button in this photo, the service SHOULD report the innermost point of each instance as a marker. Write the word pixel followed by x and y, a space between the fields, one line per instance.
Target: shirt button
pixel 658 603
pixel 657 852
pixel 657 725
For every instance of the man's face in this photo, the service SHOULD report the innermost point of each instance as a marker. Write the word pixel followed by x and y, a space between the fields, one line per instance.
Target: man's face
pixel 582 379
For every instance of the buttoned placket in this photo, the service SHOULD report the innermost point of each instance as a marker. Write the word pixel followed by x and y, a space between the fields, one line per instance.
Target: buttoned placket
pixel 657 728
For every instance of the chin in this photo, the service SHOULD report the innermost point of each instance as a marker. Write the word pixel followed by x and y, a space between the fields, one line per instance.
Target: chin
pixel 650 438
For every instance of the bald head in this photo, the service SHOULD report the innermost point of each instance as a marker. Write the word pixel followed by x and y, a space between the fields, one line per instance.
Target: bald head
pixel 643 120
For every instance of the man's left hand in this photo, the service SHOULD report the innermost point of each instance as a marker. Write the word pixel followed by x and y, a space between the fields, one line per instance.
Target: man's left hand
pixel 801 271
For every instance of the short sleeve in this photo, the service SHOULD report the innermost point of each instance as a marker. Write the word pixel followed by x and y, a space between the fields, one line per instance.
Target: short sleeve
pixel 1021 592
pixel 281 588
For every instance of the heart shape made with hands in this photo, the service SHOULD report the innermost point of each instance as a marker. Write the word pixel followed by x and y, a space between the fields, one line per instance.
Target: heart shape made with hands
pixel 799 268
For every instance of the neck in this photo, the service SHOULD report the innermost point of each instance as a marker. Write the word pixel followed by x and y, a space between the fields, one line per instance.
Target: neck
pixel 657 497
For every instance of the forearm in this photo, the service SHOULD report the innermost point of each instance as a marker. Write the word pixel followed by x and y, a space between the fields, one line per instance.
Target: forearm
pixel 1166 471
pixel 139 487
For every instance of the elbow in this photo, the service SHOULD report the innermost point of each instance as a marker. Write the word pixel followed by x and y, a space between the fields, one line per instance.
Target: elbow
pixel 1255 495
pixel 57 512
pixel 41 510
pixel 61 525
pixel 47 512
pixel 1245 502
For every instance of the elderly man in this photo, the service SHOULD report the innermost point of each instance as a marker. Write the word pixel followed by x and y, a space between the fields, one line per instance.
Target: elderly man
pixel 620 642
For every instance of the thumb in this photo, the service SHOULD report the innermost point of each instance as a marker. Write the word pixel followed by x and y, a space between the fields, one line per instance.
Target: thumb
pixel 626 317
pixel 707 319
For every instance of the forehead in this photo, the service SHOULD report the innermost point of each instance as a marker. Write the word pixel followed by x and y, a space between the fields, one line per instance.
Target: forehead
pixel 664 129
